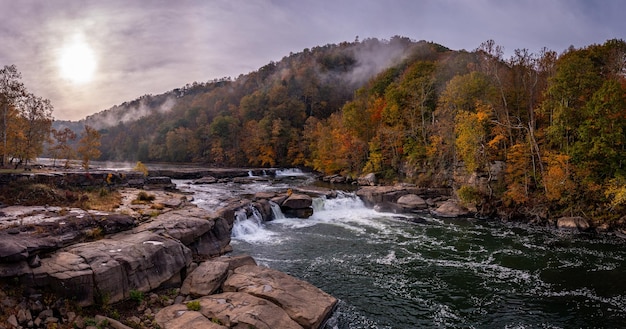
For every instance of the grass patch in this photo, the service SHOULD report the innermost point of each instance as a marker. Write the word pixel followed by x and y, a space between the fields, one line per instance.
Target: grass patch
pixel 193 305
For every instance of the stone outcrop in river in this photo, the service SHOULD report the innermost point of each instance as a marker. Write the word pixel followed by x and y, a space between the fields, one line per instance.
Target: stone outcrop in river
pixel 91 257
pixel 403 198
pixel 252 296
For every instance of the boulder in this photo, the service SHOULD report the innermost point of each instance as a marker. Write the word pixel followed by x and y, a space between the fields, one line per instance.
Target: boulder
pixel 304 303
pixel 374 195
pixel 162 182
pixel 297 205
pixel 227 310
pixel 113 267
pixel 412 202
pixel 297 201
pixel 205 279
pixel 367 180
pixel 572 223
pixel 450 209
pixel 205 235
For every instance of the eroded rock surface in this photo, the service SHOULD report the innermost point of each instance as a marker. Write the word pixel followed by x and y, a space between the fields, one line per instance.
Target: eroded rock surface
pixel 306 304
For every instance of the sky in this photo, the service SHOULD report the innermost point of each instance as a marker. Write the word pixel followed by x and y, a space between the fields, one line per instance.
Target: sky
pixel 87 56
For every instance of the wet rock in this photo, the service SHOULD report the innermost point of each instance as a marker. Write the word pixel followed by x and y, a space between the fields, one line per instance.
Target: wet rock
pixel 450 209
pixel 298 213
pixel 572 223
pixel 297 205
pixel 304 303
pixel 297 201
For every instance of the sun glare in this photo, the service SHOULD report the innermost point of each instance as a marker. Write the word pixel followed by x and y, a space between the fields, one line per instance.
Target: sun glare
pixel 77 61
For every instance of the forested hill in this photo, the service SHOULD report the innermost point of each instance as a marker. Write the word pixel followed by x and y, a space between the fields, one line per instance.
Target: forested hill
pixel 206 122
pixel 536 133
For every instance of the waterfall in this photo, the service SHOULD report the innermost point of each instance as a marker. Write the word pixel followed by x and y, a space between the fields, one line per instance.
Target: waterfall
pixel 248 226
pixel 276 212
pixel 245 225
pixel 290 172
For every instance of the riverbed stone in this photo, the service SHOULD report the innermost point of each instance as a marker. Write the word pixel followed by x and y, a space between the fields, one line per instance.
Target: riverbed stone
pixel 306 304
pixel 451 209
pixel 297 201
pixel 412 202
pixel 572 223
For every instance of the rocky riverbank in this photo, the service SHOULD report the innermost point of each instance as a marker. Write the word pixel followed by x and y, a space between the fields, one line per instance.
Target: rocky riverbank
pixel 66 267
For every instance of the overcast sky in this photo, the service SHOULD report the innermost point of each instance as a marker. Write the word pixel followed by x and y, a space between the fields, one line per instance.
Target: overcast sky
pixel 86 56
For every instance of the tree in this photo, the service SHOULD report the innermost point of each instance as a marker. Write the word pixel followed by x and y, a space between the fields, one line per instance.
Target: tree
pixel 36 115
pixel 88 146
pixel 62 148
pixel 11 89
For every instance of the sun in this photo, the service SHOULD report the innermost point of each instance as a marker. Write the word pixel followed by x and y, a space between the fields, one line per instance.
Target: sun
pixel 77 61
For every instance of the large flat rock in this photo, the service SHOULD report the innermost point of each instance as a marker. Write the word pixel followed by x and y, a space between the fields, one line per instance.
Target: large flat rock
pixel 306 304
pixel 227 310
pixel 113 267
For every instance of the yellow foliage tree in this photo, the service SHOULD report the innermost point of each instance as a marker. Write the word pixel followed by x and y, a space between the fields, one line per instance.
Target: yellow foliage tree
pixel 557 178
pixel 88 146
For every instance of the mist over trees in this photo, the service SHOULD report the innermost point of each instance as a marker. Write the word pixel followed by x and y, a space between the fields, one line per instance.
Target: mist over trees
pixel 555 124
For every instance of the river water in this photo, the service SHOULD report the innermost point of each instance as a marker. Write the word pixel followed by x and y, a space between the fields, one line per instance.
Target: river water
pixel 389 272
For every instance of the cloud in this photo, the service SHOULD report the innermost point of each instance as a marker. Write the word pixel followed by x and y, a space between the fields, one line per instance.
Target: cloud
pixel 149 48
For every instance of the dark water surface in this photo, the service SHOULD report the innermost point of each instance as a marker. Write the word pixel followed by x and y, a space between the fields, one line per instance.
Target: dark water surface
pixel 388 272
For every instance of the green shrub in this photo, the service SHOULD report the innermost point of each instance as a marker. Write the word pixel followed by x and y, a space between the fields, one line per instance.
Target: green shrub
pixel 469 195
pixel 193 305
pixel 136 296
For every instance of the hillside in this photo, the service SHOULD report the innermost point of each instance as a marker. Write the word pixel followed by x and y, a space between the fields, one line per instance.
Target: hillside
pixel 534 136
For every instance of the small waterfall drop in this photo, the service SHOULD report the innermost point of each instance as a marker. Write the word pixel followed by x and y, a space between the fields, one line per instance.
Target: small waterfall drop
pixel 277 213
pixel 245 225
pixel 248 226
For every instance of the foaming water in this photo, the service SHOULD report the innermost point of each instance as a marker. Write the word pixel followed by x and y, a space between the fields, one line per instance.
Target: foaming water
pixel 392 273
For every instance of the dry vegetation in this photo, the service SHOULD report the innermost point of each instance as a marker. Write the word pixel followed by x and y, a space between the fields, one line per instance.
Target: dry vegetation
pixel 19 193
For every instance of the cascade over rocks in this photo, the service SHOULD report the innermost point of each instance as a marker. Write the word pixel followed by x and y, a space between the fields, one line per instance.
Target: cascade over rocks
pixel 90 257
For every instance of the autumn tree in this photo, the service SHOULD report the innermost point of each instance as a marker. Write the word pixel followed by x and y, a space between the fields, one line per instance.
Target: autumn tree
pixel 11 89
pixel 88 146
pixel 36 117
pixel 62 148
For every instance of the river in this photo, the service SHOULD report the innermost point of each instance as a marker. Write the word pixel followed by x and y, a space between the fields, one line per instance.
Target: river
pixel 389 272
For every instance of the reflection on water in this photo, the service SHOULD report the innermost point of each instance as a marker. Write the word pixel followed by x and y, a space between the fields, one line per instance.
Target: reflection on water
pixel 391 273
